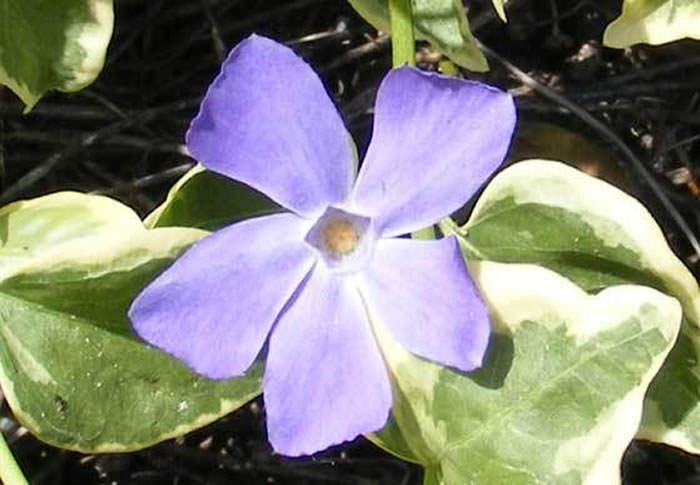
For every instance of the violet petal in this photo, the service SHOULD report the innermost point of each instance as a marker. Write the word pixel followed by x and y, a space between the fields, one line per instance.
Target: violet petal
pixel 422 293
pixel 435 141
pixel 214 307
pixel 267 121
pixel 325 380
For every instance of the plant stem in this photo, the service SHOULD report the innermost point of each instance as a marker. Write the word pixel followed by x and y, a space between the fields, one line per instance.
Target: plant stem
pixel 403 45
pixel 10 473
pixel 449 227
pixel 425 234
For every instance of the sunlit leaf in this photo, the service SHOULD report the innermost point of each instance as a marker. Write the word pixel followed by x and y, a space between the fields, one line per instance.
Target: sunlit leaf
pixel 559 396
pixel 654 22
pixel 70 367
pixel 549 214
pixel 550 141
pixel 57 44
pixel 499 5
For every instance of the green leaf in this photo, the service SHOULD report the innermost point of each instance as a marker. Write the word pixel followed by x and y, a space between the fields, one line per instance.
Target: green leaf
pixel 392 440
pixel 41 229
pixel 560 394
pixel 499 5
pixel 57 44
pixel 70 367
pixel 207 200
pixel 547 213
pixel 654 22
pixel 443 23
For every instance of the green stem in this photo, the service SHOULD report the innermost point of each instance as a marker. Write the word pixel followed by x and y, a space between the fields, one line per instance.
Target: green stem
pixel 403 44
pixel 425 234
pixel 10 473
pixel 449 227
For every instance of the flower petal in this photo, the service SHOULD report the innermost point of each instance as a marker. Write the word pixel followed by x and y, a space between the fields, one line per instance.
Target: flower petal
pixel 421 292
pixel 214 307
pixel 267 121
pixel 435 141
pixel 325 380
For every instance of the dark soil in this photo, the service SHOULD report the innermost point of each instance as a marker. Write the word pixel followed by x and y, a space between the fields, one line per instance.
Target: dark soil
pixel 124 137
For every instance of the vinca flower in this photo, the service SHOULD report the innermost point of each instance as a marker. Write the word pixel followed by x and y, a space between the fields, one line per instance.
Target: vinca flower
pixel 315 283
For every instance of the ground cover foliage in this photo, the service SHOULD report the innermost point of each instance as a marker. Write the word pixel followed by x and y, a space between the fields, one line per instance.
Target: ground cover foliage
pixel 123 136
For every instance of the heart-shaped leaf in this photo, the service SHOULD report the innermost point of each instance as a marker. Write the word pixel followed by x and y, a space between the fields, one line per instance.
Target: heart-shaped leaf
pixel 547 213
pixel 559 396
pixel 70 367
pixel 59 44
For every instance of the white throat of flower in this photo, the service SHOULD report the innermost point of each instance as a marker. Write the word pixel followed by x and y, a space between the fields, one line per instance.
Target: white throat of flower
pixel 344 240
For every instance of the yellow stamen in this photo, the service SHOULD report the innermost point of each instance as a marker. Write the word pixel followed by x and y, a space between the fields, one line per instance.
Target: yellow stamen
pixel 340 238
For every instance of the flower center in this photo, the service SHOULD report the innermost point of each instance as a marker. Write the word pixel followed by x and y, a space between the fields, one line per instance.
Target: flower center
pixel 344 240
pixel 340 237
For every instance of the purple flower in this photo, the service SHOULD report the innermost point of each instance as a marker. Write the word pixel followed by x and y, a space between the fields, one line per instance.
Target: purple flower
pixel 314 281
